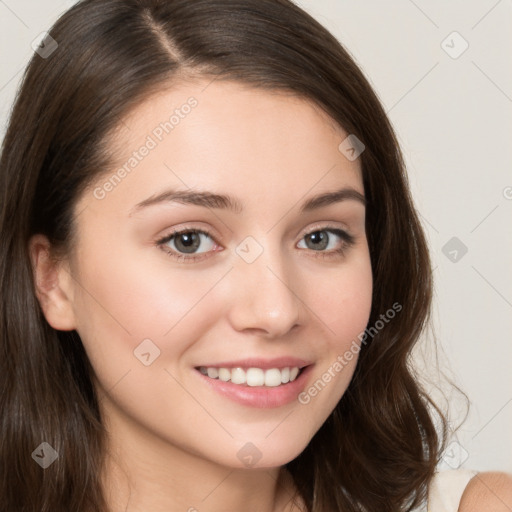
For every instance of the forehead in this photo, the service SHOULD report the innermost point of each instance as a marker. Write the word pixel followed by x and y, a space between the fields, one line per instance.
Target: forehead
pixel 236 102
pixel 226 135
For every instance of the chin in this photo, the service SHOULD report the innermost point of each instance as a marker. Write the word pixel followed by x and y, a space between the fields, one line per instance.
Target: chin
pixel 275 451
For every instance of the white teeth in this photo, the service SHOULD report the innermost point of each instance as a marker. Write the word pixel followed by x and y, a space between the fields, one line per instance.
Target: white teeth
pixel 273 377
pixel 224 374
pixel 238 376
pixel 213 373
pixel 253 376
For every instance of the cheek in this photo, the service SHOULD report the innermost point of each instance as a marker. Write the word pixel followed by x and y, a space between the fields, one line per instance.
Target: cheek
pixel 137 295
pixel 129 307
pixel 343 303
pixel 343 300
pixel 348 310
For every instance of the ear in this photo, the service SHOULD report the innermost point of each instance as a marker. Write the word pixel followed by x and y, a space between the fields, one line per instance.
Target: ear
pixel 54 285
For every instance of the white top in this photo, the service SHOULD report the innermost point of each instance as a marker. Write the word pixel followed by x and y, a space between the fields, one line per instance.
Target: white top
pixel 446 489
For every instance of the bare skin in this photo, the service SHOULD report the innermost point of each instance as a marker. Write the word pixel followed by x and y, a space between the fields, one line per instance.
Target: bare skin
pixel 174 441
pixel 490 491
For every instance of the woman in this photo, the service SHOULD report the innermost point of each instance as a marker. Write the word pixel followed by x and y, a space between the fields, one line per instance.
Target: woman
pixel 203 209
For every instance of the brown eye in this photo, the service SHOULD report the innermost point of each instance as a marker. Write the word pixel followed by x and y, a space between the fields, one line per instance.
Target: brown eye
pixel 181 243
pixel 187 242
pixel 322 239
pixel 318 240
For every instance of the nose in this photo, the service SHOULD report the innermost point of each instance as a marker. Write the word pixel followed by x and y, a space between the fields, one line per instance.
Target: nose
pixel 263 300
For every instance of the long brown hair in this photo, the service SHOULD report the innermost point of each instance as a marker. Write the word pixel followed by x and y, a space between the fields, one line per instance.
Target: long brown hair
pixel 379 448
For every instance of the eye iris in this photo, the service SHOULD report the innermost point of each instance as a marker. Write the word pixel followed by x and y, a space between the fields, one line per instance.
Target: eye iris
pixel 320 240
pixel 188 242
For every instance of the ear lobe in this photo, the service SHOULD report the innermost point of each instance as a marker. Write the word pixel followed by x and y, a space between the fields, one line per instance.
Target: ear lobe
pixel 53 285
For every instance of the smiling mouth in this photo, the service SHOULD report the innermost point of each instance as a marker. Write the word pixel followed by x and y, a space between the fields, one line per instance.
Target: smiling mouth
pixel 253 377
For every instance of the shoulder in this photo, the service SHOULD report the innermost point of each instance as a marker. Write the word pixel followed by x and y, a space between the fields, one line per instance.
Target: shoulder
pixel 490 491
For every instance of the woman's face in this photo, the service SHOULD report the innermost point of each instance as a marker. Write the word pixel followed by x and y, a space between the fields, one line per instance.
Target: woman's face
pixel 274 282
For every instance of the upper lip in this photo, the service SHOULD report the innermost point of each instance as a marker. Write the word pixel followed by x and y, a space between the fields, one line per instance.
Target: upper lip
pixel 256 362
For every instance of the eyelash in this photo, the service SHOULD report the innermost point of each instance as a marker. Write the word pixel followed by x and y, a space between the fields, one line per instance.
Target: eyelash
pixel 347 242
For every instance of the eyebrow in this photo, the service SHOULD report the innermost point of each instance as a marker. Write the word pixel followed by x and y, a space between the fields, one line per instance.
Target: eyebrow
pixel 221 201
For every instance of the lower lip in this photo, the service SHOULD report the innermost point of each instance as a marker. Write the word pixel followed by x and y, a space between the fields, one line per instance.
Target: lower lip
pixel 260 396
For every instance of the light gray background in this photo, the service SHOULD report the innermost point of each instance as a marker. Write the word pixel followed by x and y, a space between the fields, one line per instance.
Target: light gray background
pixel 453 118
